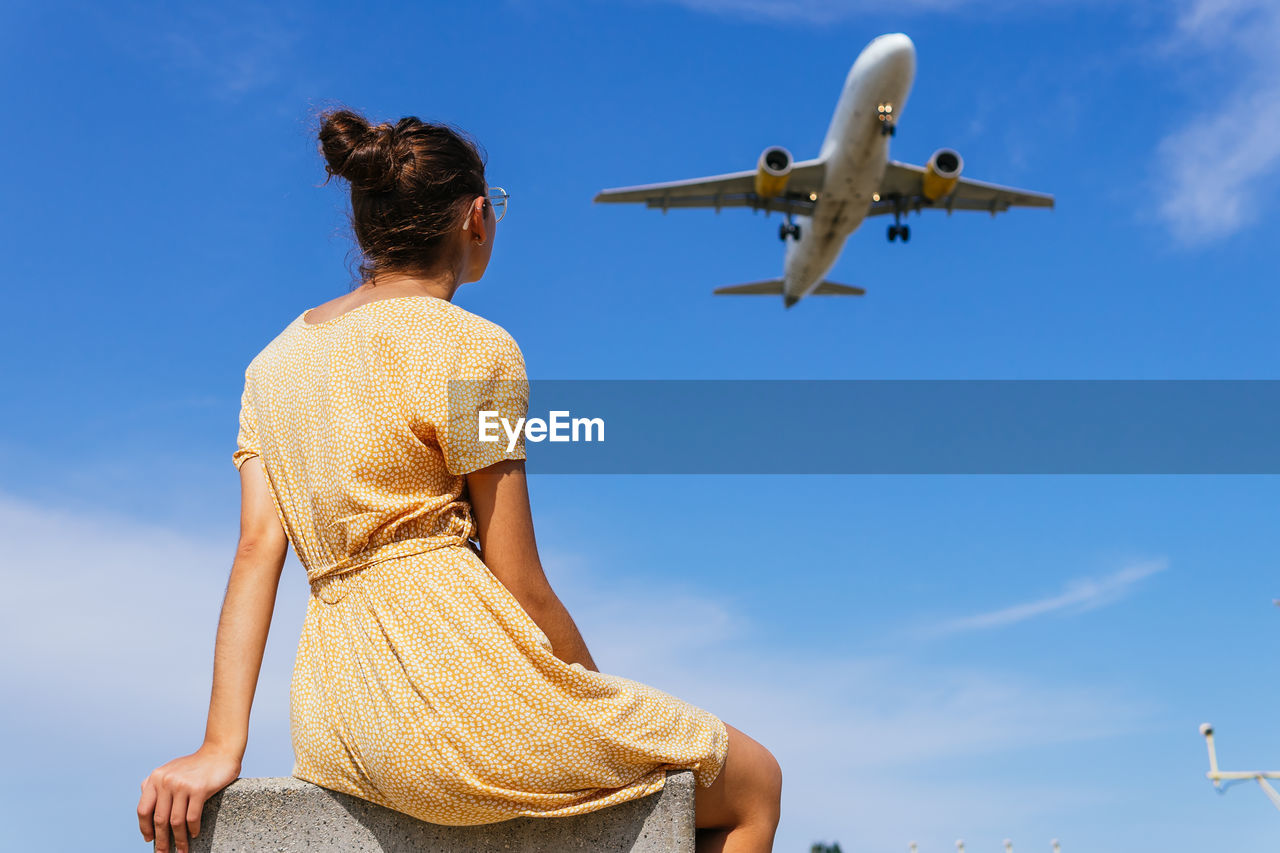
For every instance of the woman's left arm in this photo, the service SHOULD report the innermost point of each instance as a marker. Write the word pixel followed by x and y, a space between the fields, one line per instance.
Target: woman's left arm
pixel 504 525
pixel 173 796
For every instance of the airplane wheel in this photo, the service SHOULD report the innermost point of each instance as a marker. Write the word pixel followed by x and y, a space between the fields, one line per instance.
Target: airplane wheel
pixel 906 233
pixel 796 231
pixel 893 232
pixel 893 130
pixel 782 233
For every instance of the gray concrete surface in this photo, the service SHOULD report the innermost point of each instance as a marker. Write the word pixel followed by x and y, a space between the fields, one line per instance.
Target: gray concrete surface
pixel 284 814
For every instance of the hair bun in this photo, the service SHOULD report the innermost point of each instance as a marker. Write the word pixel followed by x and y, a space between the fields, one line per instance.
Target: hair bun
pixel 412 186
pixel 363 154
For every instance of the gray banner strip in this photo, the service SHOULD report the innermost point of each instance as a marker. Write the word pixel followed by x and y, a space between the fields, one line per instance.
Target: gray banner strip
pixel 900 426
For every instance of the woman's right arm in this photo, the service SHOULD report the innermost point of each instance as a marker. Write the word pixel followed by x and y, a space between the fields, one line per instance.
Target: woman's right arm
pixel 504 524
pixel 173 796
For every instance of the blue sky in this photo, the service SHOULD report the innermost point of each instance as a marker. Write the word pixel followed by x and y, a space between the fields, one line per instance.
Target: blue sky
pixel 931 658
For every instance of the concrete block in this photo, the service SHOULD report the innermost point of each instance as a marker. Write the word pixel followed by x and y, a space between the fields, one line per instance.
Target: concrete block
pixel 284 814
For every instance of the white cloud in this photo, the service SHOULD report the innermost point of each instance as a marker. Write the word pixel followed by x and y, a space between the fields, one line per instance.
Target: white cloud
pixel 115 620
pixel 1079 595
pixel 1218 168
pixel 116 616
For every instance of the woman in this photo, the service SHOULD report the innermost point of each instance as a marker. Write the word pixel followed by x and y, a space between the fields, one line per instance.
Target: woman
pixel 438 673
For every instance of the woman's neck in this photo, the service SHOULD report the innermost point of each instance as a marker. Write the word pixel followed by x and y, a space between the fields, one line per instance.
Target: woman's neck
pixel 442 285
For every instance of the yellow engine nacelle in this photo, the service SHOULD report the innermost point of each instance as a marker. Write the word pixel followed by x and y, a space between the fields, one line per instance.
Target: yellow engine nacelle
pixel 772 171
pixel 941 173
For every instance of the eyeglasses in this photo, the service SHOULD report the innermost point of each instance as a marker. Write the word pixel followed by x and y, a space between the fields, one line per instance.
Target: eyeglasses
pixel 498 198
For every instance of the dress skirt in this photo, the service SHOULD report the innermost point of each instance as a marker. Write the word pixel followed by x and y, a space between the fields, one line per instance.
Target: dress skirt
pixel 422 684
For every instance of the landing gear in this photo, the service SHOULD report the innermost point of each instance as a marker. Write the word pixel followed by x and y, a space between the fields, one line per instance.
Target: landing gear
pixel 788 228
pixel 897 229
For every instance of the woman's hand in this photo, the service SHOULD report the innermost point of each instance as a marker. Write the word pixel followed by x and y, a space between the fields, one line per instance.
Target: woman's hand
pixel 173 796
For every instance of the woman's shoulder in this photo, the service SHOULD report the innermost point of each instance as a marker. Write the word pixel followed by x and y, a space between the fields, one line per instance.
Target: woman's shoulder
pixel 465 330
pixel 268 357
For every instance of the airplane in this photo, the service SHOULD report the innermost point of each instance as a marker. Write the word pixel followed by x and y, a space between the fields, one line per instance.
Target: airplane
pixel 825 199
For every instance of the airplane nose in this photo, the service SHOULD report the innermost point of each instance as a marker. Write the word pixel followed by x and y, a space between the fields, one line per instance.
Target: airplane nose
pixel 897 49
pixel 898 52
pixel 897 43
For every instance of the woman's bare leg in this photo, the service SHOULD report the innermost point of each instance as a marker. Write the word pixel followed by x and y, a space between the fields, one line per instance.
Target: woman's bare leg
pixel 738 813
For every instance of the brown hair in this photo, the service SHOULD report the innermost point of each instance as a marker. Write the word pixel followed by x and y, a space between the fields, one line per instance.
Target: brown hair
pixel 410 186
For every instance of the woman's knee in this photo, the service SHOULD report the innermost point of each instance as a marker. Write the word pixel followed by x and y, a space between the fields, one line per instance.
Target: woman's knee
pixel 771 783
pixel 748 789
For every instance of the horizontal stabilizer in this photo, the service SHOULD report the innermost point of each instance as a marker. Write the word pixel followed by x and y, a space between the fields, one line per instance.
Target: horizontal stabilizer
pixel 773 287
pixel 830 288
pixel 768 287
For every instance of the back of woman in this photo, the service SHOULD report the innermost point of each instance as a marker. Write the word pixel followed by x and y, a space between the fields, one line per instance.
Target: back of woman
pixel 351 419
pixel 437 672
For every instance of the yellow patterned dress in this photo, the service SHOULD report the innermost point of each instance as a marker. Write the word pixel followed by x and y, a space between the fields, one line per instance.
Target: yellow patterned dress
pixel 421 683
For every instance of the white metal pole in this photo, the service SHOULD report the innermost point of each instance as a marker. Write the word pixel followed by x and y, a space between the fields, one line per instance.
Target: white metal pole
pixel 1269 791
pixel 1217 776
pixel 1207 731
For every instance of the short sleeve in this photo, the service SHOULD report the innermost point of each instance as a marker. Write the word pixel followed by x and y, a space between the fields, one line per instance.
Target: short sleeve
pixel 488 399
pixel 247 438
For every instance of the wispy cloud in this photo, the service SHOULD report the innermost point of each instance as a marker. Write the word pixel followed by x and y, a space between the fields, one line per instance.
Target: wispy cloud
pixel 864 740
pixel 1078 596
pixel 235 51
pixel 225 50
pixel 1218 168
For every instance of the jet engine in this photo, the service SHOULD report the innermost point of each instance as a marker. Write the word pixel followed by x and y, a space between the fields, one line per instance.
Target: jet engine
pixel 772 171
pixel 941 173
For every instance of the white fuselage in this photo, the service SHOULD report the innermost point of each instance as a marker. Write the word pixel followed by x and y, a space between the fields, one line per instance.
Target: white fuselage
pixel 855 151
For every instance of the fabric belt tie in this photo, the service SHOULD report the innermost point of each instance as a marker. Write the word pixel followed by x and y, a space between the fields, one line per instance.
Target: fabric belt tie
pixel 333 586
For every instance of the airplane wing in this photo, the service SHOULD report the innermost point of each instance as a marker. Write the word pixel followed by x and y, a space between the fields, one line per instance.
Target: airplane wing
pixel 735 189
pixel 901 189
